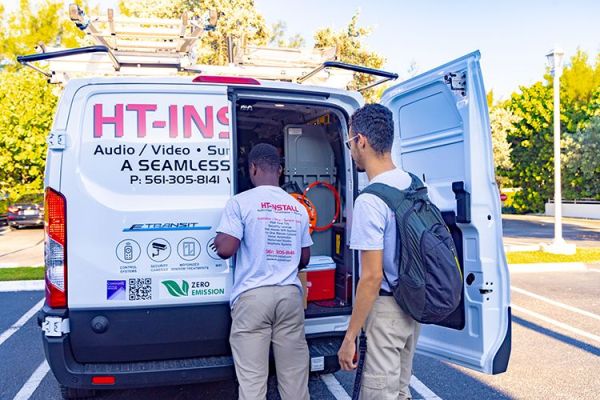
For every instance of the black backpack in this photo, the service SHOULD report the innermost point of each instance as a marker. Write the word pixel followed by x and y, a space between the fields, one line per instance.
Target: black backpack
pixel 430 281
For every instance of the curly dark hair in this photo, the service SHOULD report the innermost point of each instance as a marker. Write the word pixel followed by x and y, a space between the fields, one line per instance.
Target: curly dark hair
pixel 376 123
pixel 265 157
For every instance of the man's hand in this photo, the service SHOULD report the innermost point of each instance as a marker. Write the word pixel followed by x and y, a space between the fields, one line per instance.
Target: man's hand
pixel 346 355
pixel 226 245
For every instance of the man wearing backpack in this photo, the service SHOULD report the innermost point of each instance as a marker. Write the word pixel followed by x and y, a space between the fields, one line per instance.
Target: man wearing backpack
pixel 391 332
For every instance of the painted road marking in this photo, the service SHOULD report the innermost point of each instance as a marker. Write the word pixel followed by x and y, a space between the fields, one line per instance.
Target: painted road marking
pixel 22 321
pixel 335 387
pixel 33 382
pixel 559 324
pixel 338 391
pixel 556 303
pixel 423 390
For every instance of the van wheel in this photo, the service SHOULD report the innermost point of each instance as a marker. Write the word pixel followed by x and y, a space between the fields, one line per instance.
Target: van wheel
pixel 75 393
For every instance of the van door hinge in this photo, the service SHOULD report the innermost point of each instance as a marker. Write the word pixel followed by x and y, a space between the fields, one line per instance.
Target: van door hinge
pixel 57 140
pixel 55 326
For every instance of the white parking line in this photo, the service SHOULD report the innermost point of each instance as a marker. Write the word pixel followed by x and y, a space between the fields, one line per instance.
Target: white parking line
pixel 338 391
pixel 423 390
pixel 559 324
pixel 335 387
pixel 22 321
pixel 33 382
pixel 556 303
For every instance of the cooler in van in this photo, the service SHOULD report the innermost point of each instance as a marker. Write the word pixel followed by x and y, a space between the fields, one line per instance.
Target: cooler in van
pixel 320 278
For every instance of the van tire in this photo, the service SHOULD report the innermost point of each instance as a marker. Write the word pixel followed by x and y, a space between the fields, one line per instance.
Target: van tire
pixel 75 393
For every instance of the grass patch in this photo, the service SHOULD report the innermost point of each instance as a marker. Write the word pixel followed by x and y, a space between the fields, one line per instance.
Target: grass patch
pixel 21 274
pixel 584 255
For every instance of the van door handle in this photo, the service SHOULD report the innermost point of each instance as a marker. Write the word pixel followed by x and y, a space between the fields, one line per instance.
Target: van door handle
pixel 485 291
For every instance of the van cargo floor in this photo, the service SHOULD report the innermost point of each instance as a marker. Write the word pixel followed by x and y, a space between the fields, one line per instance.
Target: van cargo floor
pixel 327 308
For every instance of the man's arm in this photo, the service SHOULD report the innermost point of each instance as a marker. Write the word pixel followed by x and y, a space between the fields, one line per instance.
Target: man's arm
pixel 366 294
pixel 304 258
pixel 226 245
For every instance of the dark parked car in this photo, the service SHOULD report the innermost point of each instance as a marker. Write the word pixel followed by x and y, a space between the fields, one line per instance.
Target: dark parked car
pixel 27 210
pixel 3 210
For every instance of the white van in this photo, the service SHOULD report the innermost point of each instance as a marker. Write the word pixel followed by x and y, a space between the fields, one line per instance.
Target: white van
pixel 139 170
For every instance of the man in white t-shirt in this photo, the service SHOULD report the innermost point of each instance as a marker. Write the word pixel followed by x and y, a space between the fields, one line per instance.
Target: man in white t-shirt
pixel 267 230
pixel 391 333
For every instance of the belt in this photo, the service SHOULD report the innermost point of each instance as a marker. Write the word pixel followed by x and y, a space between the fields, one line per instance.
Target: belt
pixel 383 292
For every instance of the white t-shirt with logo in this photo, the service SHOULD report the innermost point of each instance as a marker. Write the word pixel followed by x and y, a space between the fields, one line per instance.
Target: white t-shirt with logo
pixel 374 223
pixel 272 227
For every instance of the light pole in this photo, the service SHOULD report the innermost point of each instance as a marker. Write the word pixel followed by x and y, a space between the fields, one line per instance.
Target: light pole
pixel 555 59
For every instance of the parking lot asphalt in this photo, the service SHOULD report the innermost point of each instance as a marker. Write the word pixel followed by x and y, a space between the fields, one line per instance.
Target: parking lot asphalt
pixel 21 247
pixel 555 352
pixel 535 229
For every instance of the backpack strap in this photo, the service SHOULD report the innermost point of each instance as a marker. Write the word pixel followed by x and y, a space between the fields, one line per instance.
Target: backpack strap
pixel 392 197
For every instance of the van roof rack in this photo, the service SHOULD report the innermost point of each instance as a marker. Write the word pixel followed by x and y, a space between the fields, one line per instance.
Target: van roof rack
pixel 127 42
pixel 162 46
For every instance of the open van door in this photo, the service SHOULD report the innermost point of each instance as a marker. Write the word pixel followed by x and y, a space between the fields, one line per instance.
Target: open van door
pixel 443 136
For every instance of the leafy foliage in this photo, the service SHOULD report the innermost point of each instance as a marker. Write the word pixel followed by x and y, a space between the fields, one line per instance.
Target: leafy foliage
pixel 350 49
pixel 532 137
pixel 27 103
pixel 278 32
pixel 237 18
pixel 582 163
pixel 502 122
pixel 45 22
pixel 27 107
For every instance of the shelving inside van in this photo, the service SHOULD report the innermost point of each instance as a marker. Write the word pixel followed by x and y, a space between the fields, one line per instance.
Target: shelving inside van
pixel 310 139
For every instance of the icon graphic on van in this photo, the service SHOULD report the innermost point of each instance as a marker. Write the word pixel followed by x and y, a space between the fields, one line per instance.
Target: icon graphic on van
pixel 188 249
pixel 128 251
pixel 159 250
pixel 175 290
pixel 212 250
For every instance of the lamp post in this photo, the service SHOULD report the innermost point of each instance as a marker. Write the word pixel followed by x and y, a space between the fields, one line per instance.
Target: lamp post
pixel 555 59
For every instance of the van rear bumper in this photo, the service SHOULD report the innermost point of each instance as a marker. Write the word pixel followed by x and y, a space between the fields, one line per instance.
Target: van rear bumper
pixel 139 374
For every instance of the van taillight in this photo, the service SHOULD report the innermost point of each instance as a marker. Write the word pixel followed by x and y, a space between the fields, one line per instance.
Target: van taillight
pixel 55 227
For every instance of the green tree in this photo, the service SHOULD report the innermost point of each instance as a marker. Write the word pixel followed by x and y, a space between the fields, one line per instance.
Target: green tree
pixel 532 139
pixel 502 122
pixel 278 37
pixel 30 24
pixel 27 107
pixel 350 49
pixel 27 103
pixel 531 142
pixel 578 84
pixel 237 18
pixel 582 164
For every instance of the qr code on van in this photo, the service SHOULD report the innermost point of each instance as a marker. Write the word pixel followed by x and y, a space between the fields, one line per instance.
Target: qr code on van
pixel 140 289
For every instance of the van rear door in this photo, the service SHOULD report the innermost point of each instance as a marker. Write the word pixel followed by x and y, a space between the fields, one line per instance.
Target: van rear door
pixel 443 136
pixel 146 173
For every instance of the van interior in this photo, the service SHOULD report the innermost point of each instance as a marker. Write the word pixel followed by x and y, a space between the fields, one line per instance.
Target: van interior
pixel 309 139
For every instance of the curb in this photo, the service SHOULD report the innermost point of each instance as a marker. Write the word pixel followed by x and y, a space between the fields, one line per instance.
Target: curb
pixel 22 286
pixel 547 267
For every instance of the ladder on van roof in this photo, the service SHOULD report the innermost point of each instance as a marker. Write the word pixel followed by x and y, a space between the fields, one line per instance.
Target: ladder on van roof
pixel 162 47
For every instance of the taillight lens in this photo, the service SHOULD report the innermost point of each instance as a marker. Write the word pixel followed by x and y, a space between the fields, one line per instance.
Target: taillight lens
pixel 55 227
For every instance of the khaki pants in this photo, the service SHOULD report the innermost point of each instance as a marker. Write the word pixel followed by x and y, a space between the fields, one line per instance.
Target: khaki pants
pixel 391 340
pixel 271 314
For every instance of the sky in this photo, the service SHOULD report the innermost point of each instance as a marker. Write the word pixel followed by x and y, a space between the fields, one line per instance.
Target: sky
pixel 513 35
